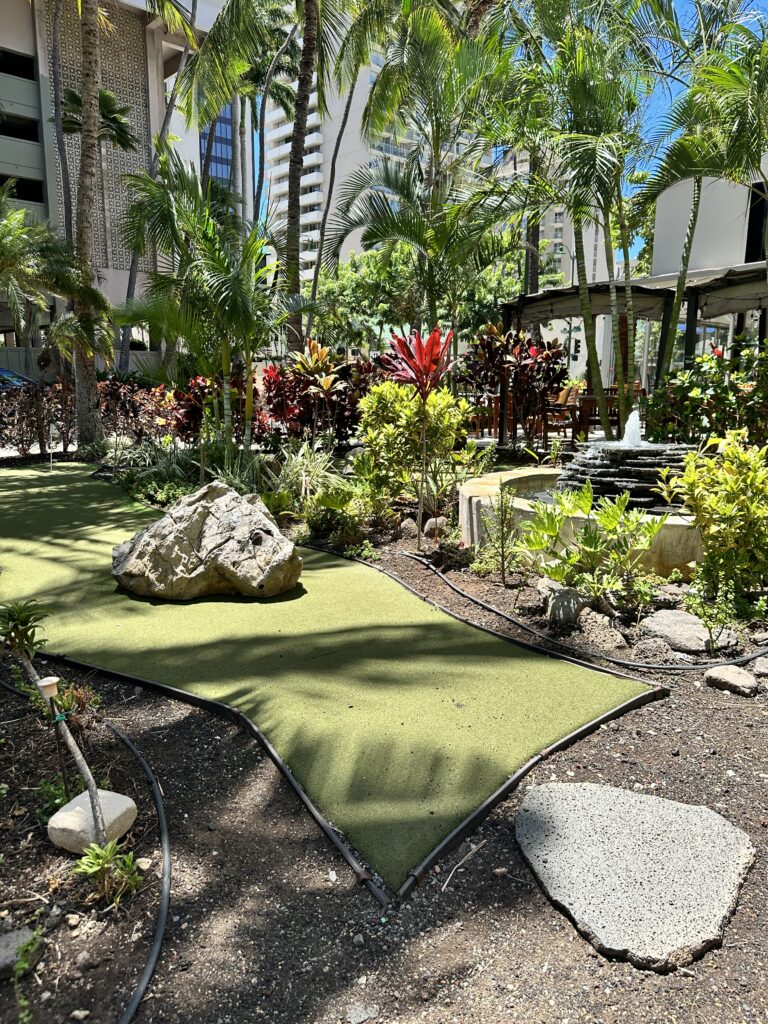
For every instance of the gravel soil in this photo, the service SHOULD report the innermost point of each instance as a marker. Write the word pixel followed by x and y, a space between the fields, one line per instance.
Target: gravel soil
pixel 267 923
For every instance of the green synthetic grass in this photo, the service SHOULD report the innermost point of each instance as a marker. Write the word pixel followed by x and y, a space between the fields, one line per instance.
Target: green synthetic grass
pixel 398 720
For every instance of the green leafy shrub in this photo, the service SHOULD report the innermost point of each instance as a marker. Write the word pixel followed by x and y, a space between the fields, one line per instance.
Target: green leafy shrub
pixel 711 398
pixel 390 430
pixel 724 488
pixel 112 873
pixel 604 557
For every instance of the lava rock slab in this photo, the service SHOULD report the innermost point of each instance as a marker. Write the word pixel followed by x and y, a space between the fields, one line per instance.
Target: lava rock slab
pixel 214 541
pixel 644 879
pixel 683 631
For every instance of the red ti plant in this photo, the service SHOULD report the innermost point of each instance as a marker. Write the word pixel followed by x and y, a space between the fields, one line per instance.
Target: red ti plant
pixel 422 364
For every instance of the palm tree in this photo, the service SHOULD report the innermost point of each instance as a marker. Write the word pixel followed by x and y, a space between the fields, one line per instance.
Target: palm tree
pixel 248 53
pixel 35 264
pixel 176 20
pixel 219 295
pixel 709 131
pixel 426 101
pixel 89 426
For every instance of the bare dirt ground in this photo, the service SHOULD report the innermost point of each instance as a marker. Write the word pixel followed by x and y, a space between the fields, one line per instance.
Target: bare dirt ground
pixel 267 923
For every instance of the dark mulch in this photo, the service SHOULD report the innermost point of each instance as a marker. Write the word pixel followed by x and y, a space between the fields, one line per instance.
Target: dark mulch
pixel 267 923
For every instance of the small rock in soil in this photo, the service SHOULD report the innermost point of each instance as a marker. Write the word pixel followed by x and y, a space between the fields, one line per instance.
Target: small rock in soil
pixel 409 530
pixel 73 920
pixel 760 668
pixel 436 527
pixel 72 826
pixel 563 604
pixel 654 651
pixel 732 678
pixel 358 1013
pixel 358 939
pixel 669 596
pixel 599 631
pixel 80 1015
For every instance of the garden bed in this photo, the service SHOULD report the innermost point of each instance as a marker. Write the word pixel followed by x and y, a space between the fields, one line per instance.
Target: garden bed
pixel 90 954
pixel 266 923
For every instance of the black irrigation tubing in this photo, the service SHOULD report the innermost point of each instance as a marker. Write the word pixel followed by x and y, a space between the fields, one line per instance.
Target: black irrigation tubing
pixel 742 659
pixel 161 918
pixel 165 891
pixel 235 717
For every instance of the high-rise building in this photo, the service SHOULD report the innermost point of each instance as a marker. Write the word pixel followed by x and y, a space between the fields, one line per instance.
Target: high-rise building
pixel 139 59
pixel 221 154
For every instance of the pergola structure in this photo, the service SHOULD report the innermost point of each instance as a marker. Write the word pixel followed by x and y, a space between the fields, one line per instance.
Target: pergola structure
pixel 708 294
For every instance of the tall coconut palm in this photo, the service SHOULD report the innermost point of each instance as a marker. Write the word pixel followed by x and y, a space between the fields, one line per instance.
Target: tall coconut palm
pixel 88 422
pixel 709 131
pixel 256 65
pixel 427 99
pixel 176 19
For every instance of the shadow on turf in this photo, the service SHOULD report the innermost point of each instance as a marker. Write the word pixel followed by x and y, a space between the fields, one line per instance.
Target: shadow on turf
pixel 273 907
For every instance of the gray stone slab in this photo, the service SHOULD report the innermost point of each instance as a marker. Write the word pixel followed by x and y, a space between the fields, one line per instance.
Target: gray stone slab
pixel 644 879
pixel 684 632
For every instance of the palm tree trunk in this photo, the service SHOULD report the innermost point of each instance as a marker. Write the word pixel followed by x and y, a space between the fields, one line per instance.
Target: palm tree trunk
pixel 243 157
pixel 58 129
pixel 328 201
pixel 589 331
pixel 273 64
pixel 615 328
pixel 248 424
pixel 295 332
pixel 133 271
pixel 226 372
pixel 88 423
pixel 209 143
pixel 234 171
pixel 685 259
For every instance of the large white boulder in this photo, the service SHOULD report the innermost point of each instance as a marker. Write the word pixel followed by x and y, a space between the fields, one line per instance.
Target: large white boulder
pixel 214 541
pixel 72 827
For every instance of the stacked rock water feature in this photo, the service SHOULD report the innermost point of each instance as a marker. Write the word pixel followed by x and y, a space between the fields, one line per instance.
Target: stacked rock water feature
pixel 631 464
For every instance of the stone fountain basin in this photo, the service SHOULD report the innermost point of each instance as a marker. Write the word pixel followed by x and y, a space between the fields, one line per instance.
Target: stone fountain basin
pixel 676 545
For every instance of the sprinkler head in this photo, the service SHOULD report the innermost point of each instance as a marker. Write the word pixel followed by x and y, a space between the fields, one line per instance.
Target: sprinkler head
pixel 49 687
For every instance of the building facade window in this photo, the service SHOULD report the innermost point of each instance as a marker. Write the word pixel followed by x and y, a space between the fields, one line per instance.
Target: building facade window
pixel 221 157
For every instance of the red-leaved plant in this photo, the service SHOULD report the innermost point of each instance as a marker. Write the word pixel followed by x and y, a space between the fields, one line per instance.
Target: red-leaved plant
pixel 422 364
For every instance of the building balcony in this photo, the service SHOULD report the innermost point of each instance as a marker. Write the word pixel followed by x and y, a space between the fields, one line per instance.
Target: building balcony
pixel 278 153
pixel 283 131
pixel 312 217
pixel 279 186
pixel 310 198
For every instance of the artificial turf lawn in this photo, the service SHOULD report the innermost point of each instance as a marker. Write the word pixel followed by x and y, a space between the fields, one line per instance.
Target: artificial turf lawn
pixel 397 719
